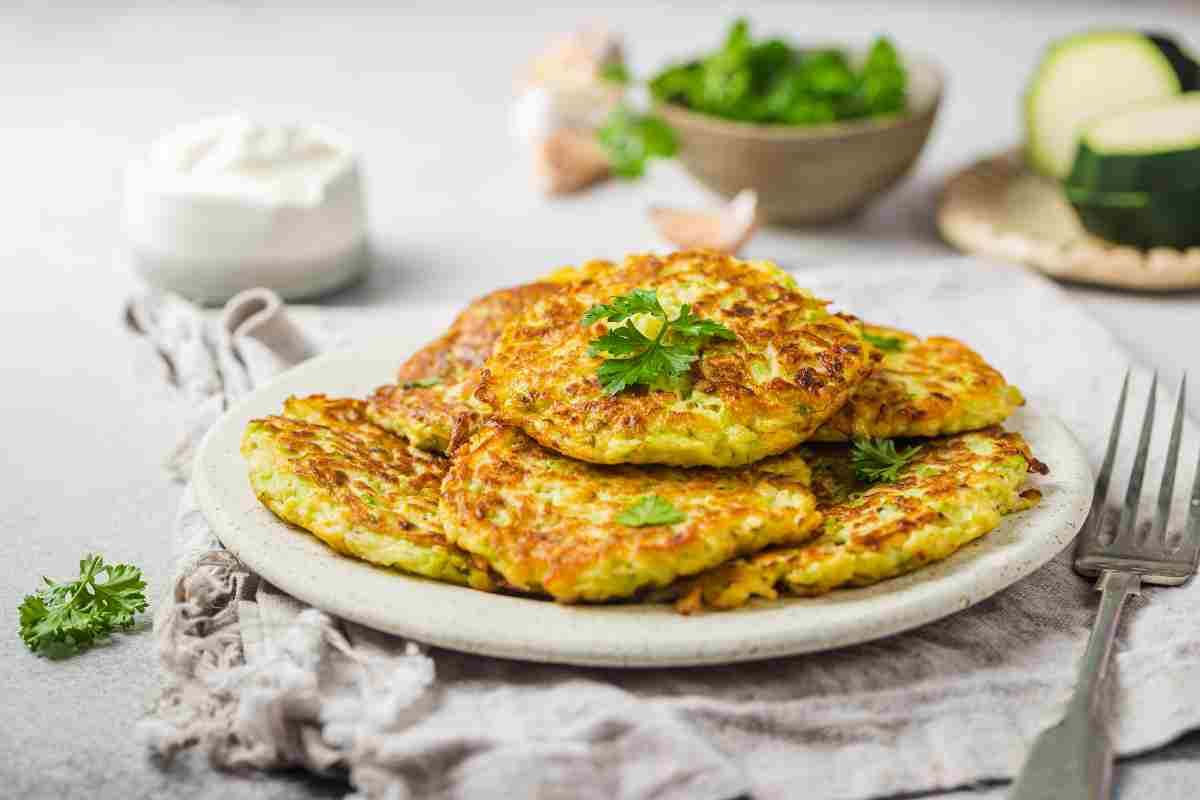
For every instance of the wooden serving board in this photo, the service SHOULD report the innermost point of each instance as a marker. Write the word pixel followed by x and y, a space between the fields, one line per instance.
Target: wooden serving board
pixel 998 208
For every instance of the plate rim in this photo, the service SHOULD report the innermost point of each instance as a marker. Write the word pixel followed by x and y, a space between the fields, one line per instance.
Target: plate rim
pixel 626 635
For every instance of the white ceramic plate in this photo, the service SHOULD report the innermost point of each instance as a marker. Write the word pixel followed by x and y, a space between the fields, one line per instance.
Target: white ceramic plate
pixel 615 635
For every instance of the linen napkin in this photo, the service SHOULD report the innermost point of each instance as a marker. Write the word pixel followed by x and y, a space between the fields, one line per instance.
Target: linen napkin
pixel 260 680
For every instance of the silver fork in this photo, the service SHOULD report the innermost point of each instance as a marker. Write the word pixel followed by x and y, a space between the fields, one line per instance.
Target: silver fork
pixel 1073 759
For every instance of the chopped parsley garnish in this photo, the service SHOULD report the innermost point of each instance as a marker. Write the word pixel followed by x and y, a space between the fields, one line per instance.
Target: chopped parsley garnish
pixel 878 460
pixel 650 510
pixel 772 82
pixel 65 618
pixel 631 139
pixel 421 383
pixel 888 344
pixel 633 358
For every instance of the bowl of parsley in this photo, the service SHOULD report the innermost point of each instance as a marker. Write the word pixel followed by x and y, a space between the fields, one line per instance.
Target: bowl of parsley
pixel 817 132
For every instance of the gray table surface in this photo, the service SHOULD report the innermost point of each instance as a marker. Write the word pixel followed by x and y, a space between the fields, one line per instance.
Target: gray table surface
pixel 423 92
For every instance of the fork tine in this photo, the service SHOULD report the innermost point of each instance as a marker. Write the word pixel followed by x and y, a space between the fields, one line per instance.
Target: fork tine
pixel 1134 493
pixel 1099 499
pixel 1159 527
pixel 1192 529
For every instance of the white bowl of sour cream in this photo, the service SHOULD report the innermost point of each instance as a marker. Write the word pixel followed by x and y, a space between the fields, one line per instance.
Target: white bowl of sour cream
pixel 230 204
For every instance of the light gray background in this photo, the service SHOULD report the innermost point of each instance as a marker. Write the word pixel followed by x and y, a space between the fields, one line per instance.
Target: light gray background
pixel 423 92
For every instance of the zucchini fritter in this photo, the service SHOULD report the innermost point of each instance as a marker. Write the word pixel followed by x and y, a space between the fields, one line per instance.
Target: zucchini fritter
pixel 956 490
pixel 791 367
pixel 434 389
pixel 548 523
pixel 931 387
pixel 363 491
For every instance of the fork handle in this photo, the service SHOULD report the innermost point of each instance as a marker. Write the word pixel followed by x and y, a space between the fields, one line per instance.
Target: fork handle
pixel 1073 759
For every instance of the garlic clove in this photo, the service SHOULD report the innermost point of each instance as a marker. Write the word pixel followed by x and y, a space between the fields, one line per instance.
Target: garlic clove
pixel 727 229
pixel 575 59
pixel 568 160
pixel 564 88
pixel 563 100
pixel 538 111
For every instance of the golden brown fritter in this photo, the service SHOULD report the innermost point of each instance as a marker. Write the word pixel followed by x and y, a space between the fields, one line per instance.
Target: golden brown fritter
pixel 929 387
pixel 956 490
pixel 792 365
pixel 363 491
pixel 434 389
pixel 551 524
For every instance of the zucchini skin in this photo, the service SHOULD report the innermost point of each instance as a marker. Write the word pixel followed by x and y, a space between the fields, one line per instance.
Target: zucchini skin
pixel 1178 170
pixel 1184 65
pixel 1140 219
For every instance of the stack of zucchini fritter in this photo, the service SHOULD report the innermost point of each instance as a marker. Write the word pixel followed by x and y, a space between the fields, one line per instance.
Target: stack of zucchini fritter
pixel 648 425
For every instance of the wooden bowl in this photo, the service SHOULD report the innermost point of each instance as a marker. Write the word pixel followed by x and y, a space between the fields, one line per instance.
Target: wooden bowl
pixel 809 174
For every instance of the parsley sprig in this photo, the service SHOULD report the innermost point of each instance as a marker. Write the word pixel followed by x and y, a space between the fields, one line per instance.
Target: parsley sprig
pixel 878 460
pixel 630 139
pixel 65 618
pixel 634 358
pixel 650 510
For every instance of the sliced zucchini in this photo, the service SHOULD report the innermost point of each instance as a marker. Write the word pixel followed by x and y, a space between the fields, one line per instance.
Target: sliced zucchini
pixel 1140 219
pixel 1151 147
pixel 1185 66
pixel 1086 75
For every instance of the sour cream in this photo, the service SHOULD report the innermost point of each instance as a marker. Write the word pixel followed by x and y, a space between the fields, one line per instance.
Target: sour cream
pixel 229 204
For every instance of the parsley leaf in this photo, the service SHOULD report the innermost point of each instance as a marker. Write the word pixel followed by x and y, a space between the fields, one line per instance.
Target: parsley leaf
pixel 883 79
pixel 639 301
pixel 615 72
pixel 650 510
pixel 631 139
pixel 634 358
pixel 654 366
pixel 65 618
pixel 688 324
pixel 878 460
pixel 625 340
pixel 888 344
pixel 421 383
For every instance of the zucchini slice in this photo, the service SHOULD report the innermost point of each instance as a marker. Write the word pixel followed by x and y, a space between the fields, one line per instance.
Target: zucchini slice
pixel 1151 147
pixel 1182 62
pixel 1089 74
pixel 1140 219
